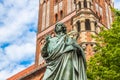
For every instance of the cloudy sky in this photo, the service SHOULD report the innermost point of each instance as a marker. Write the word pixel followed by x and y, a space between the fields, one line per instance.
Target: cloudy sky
pixel 18 27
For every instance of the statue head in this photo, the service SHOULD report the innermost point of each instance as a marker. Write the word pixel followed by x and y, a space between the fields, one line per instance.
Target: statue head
pixel 60 28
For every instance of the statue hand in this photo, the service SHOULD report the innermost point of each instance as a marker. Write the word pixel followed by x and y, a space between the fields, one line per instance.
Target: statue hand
pixel 44 48
pixel 47 38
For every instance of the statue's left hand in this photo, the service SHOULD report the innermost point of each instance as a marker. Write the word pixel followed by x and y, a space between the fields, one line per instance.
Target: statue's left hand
pixel 47 38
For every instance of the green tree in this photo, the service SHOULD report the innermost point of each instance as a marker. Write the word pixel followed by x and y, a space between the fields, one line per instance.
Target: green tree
pixel 105 64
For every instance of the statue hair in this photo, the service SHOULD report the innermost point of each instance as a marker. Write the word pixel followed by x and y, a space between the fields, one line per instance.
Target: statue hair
pixel 63 27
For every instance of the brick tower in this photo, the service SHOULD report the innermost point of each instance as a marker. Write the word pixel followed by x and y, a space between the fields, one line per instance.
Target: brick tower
pixel 84 16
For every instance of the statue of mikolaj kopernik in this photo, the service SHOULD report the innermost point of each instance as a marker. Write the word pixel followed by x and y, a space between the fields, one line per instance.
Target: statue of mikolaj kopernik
pixel 64 57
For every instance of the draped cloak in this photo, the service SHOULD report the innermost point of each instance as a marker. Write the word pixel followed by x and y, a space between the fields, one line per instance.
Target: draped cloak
pixel 65 59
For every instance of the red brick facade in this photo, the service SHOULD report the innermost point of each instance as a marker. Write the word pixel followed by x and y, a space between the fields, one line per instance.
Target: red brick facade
pixel 84 16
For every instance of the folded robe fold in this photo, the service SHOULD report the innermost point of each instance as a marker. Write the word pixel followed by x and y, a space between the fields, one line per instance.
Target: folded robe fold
pixel 65 59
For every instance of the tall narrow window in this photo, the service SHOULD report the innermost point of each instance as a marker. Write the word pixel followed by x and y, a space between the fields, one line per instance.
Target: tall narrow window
pixel 95 24
pixel 90 4
pixel 61 14
pixel 99 1
pixel 78 26
pixel 87 24
pixel 85 4
pixel 79 4
pixel 56 17
pixel 56 1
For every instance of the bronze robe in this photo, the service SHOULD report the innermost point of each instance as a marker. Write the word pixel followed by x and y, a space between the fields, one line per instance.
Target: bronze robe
pixel 65 59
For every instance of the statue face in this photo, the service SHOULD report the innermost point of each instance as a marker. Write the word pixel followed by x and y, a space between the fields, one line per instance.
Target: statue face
pixel 60 27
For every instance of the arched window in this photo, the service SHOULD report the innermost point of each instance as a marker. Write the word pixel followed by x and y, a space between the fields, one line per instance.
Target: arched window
pixel 95 24
pixel 87 24
pixel 61 14
pixel 90 4
pixel 79 4
pixel 56 1
pixel 78 26
pixel 56 17
pixel 99 1
pixel 85 4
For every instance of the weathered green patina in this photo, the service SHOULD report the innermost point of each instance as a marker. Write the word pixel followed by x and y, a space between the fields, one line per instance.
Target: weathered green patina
pixel 64 57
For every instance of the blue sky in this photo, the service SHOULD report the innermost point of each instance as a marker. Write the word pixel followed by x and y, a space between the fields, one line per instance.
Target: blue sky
pixel 18 27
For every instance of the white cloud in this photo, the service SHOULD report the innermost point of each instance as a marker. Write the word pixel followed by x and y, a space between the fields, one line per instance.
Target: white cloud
pixel 20 52
pixel 17 18
pixel 117 4
pixel 6 73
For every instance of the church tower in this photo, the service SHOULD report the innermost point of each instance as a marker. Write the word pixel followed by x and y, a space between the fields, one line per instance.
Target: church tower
pixel 83 16
pixel 90 16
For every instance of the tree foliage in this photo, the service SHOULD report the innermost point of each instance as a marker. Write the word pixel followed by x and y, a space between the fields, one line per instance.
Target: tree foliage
pixel 105 64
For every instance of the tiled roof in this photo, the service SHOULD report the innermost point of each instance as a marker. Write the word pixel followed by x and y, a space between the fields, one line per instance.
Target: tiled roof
pixel 22 73
pixel 33 68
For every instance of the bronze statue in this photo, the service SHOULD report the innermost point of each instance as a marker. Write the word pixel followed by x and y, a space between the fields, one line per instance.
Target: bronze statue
pixel 64 57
